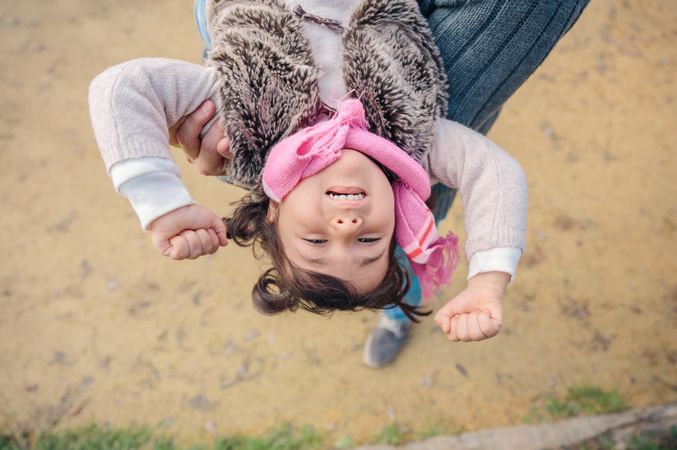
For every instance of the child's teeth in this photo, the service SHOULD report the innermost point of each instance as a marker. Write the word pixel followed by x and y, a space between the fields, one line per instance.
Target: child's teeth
pixel 347 196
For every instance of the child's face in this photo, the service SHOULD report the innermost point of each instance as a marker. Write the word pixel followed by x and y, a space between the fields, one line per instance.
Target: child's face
pixel 348 238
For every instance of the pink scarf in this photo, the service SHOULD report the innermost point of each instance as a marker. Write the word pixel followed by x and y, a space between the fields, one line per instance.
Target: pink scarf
pixel 303 154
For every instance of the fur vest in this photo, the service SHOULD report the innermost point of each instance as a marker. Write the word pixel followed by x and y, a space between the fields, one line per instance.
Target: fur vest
pixel 269 81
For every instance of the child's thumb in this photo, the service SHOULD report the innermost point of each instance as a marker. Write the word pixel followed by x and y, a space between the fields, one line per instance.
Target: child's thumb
pixel 443 317
pixel 220 229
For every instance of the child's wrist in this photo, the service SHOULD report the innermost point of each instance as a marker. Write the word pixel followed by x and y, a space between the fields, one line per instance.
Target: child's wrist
pixel 496 281
pixel 168 217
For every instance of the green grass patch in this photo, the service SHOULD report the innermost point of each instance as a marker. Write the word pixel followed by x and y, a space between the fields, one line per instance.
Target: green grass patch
pixel 593 400
pixel 578 401
pixel 344 443
pixel 436 430
pixel 94 437
pixel 396 434
pixel 391 434
pixel 658 440
pixel 665 442
pixel 7 443
pixel 285 437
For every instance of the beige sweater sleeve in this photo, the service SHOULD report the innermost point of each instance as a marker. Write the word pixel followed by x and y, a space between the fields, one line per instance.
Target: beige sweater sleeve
pixel 132 105
pixel 491 183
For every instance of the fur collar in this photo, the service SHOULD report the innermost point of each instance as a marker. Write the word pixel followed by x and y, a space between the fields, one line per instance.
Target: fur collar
pixel 269 81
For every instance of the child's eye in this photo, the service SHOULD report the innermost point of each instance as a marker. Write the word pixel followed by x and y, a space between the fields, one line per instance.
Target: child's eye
pixel 315 241
pixel 368 240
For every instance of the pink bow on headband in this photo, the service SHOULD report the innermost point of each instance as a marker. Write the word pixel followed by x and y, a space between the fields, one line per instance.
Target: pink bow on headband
pixel 307 152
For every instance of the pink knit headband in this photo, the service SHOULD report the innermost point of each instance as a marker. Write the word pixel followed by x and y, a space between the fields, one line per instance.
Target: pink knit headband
pixel 301 155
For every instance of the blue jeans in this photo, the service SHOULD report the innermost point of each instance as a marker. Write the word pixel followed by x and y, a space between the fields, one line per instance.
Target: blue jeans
pixel 201 22
pixel 489 49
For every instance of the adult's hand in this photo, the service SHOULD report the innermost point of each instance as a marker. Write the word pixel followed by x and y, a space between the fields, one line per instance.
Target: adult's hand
pixel 211 153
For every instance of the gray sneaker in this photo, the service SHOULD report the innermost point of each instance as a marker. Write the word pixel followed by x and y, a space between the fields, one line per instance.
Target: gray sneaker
pixel 385 342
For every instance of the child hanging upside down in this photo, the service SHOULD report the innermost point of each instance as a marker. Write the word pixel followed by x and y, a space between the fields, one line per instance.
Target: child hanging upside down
pixel 338 162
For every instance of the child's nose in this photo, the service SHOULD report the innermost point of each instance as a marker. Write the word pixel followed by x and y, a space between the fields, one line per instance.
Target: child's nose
pixel 347 223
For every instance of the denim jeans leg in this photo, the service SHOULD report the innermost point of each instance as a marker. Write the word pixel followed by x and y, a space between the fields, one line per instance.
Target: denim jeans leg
pixel 491 47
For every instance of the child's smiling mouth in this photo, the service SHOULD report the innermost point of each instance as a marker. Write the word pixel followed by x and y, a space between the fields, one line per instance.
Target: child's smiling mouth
pixel 346 193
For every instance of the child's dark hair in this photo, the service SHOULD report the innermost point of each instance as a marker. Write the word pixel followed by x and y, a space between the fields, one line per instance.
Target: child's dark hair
pixel 286 286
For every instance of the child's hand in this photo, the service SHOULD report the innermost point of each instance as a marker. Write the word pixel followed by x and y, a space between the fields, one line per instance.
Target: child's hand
pixel 188 232
pixel 477 312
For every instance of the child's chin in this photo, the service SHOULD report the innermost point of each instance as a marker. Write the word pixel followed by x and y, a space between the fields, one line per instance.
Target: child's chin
pixel 364 286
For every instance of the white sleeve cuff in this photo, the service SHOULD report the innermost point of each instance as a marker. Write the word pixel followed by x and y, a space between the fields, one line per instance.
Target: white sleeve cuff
pixel 495 260
pixel 152 185
pixel 123 171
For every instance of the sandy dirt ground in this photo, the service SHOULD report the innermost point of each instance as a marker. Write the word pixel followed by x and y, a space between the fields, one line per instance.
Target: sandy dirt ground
pixel 95 327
